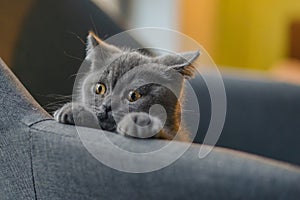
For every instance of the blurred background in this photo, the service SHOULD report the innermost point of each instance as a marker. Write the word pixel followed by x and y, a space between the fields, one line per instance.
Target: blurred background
pixel 247 36
pixel 252 42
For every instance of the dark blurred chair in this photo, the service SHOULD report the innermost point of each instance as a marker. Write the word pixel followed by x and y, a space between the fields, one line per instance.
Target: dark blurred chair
pixel 49 50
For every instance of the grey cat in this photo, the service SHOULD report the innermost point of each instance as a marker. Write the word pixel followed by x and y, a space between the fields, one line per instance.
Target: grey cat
pixel 125 90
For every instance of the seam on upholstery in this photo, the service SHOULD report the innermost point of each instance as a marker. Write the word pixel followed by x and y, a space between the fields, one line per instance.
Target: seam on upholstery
pixel 47 131
pixel 37 122
pixel 31 164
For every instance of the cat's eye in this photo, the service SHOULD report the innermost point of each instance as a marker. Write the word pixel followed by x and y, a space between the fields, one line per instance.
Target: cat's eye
pixel 100 88
pixel 133 96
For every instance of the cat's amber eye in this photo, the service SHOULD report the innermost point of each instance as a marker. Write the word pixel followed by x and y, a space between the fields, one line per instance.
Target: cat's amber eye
pixel 100 88
pixel 133 96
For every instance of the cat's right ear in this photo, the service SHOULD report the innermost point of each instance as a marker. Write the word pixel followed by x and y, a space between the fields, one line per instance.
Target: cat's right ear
pixel 95 43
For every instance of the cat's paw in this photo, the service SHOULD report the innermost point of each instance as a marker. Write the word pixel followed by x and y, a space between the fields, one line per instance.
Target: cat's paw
pixel 64 114
pixel 76 114
pixel 140 125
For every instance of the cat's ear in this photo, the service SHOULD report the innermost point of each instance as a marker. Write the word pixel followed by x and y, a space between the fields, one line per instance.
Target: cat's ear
pixel 95 43
pixel 181 62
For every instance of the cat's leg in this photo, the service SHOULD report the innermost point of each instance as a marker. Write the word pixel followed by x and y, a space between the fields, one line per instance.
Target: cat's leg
pixel 140 125
pixel 76 114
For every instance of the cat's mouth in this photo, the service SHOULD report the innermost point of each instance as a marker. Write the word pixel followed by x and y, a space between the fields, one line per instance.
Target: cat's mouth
pixel 107 124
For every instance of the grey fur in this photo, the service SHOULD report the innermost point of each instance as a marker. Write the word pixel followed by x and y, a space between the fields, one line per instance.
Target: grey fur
pixel 122 71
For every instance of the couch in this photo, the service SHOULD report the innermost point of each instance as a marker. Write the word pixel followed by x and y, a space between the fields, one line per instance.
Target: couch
pixel 43 159
pixel 256 156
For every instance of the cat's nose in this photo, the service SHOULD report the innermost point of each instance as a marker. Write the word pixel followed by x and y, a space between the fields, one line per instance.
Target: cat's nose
pixel 104 110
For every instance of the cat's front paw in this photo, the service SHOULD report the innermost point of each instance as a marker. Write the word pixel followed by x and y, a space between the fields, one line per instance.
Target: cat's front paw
pixel 140 125
pixel 64 114
pixel 76 114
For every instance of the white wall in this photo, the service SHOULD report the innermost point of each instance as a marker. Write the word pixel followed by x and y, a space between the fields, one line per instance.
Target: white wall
pixel 155 13
pixel 146 13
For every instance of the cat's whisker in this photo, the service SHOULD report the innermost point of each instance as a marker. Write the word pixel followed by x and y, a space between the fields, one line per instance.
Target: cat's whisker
pixel 59 101
pixel 63 97
pixel 78 37
pixel 56 95
pixel 187 110
pixel 74 57
pixel 52 108
pixel 94 25
pixel 190 111
pixel 54 105
pixel 72 75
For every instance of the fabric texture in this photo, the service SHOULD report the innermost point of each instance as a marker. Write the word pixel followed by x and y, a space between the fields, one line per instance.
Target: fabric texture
pixel 262 116
pixel 42 159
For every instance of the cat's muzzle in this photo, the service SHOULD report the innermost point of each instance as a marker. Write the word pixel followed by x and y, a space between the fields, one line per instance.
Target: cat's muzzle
pixel 106 121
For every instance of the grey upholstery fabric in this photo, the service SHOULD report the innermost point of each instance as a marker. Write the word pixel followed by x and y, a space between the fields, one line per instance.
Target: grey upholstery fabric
pixel 41 159
pixel 263 117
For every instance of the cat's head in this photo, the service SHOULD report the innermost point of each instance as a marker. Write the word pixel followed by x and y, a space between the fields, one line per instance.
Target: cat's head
pixel 122 81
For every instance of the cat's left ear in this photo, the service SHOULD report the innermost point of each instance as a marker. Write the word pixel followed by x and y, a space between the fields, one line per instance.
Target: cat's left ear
pixel 93 42
pixel 181 62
